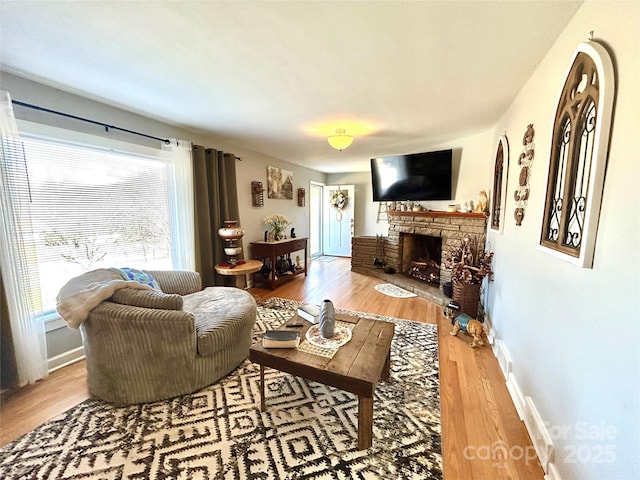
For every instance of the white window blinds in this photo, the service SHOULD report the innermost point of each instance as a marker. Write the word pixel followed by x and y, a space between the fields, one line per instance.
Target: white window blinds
pixel 94 208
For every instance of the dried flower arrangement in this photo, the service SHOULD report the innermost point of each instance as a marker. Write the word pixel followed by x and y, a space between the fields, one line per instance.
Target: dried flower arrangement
pixel 467 265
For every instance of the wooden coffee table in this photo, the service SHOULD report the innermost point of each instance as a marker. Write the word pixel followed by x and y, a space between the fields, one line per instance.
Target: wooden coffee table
pixel 355 368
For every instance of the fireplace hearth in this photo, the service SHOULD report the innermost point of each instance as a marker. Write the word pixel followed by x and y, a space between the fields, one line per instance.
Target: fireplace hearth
pixel 421 257
pixel 448 228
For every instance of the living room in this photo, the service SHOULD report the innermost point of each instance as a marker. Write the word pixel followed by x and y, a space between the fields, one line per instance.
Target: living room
pixel 580 375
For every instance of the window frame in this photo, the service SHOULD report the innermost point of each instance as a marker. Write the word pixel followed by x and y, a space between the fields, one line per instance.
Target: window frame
pixel 604 107
pixel 38 131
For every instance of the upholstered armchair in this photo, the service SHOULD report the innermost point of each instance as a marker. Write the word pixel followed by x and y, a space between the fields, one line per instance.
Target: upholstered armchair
pixel 148 345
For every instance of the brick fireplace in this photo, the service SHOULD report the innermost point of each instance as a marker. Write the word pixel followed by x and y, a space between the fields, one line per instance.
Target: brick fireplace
pixel 400 247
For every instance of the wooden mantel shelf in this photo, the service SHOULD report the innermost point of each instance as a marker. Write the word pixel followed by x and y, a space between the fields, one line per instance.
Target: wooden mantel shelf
pixel 437 213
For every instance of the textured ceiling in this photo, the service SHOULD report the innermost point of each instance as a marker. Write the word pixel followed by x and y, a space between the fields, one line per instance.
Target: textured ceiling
pixel 278 77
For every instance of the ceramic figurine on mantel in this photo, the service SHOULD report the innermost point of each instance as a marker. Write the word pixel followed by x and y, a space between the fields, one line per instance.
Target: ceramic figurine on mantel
pixel 483 203
pixel 327 319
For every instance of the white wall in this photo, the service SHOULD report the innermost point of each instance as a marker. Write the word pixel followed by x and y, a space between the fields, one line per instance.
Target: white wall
pixel 253 165
pixel 472 172
pixel 254 168
pixel 573 333
pixel 366 210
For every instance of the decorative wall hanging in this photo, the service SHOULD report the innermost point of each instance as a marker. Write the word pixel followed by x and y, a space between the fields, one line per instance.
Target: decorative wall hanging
pixel 578 156
pixel 499 192
pixel 280 183
pixel 257 194
pixel 301 197
pixel 339 200
pixel 525 160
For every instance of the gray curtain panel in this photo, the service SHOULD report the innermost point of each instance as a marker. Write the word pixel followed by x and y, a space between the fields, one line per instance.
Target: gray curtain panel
pixel 216 200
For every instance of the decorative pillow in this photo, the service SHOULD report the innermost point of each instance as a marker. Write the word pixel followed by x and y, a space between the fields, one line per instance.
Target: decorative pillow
pixel 147 299
pixel 139 276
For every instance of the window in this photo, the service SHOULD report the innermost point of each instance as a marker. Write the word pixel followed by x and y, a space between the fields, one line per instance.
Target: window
pixel 580 138
pixel 96 208
pixel 498 196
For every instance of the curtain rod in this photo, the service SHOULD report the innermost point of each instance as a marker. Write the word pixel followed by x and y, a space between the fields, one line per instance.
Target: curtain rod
pixel 87 120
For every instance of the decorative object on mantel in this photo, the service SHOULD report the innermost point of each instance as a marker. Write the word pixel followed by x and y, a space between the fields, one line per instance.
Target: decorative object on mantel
pixel 231 233
pixel 257 194
pixel 301 197
pixel 468 269
pixel 327 321
pixel 277 223
pixel 483 203
pixel 521 195
pixel 339 200
pixel 462 321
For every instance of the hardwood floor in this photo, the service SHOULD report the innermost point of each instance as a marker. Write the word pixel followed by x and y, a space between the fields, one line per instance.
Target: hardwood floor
pixel 482 436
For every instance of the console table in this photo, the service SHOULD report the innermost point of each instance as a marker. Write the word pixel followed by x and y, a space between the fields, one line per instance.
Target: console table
pixel 271 251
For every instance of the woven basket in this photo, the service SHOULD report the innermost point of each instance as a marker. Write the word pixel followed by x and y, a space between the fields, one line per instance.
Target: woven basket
pixel 468 296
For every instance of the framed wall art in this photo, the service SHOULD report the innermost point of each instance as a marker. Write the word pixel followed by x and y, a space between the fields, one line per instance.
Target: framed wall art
pixel 279 183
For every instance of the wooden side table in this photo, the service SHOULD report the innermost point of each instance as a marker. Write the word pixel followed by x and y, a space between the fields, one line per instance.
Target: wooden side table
pixel 249 266
pixel 270 251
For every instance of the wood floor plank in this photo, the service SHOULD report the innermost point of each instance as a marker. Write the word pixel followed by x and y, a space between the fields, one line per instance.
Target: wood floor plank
pixel 475 405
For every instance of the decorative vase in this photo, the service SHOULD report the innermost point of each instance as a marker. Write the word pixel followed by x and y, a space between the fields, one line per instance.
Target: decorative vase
pixel 447 289
pixel 327 319
pixel 468 296
pixel 231 233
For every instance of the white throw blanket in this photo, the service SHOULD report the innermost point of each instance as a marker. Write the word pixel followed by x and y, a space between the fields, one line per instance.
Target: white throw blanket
pixel 82 294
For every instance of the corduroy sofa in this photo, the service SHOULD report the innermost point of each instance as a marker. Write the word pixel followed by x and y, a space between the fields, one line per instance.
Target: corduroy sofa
pixel 148 345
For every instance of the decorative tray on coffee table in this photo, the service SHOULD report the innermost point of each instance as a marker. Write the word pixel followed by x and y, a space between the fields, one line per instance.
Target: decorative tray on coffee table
pixel 341 335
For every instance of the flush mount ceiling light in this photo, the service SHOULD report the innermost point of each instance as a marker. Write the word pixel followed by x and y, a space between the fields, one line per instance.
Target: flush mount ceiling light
pixel 340 141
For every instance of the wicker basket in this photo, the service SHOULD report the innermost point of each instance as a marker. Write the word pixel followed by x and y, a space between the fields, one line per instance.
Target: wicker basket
pixel 468 296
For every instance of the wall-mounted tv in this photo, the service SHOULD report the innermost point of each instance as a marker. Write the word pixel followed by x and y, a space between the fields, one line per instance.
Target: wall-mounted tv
pixel 417 176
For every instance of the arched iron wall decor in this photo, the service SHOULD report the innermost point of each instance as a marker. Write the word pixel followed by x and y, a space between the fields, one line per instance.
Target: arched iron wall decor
pixel 499 192
pixel 578 155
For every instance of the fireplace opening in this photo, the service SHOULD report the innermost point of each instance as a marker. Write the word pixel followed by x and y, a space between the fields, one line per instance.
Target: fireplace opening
pixel 421 257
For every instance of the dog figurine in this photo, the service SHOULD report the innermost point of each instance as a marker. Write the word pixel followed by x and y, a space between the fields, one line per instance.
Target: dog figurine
pixel 462 321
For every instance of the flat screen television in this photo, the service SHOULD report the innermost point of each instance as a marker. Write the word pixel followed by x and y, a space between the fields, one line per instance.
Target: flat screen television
pixel 416 176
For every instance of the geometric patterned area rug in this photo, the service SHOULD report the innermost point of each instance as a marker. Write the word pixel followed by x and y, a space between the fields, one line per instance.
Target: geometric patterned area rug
pixel 394 291
pixel 308 431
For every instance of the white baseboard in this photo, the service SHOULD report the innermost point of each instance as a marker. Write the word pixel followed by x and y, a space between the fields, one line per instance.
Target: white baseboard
pixel 516 395
pixel 528 413
pixel 491 333
pixel 552 473
pixel 539 434
pixel 504 359
pixel 64 359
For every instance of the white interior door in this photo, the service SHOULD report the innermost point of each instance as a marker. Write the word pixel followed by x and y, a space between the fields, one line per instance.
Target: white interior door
pixel 315 219
pixel 338 223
